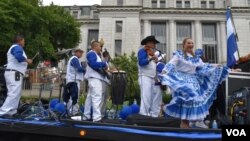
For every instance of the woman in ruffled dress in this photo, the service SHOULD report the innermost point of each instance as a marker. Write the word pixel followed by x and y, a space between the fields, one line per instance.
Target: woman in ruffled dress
pixel 193 84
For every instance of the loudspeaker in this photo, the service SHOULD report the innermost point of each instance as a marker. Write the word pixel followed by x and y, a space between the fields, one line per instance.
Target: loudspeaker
pixel 234 82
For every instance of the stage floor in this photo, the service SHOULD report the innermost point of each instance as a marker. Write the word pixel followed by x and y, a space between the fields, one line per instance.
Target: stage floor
pixel 69 130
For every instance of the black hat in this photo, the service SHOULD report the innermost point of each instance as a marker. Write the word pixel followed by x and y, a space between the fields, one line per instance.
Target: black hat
pixel 149 39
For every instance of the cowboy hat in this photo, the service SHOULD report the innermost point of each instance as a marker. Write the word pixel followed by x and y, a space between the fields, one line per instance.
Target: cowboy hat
pixel 149 39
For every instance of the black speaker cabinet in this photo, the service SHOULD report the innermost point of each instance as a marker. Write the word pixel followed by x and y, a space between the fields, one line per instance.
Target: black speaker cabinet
pixel 234 82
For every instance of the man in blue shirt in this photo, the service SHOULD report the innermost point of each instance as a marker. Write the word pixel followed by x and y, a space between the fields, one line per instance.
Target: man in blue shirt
pixel 147 74
pixel 16 68
pixel 74 76
pixel 97 83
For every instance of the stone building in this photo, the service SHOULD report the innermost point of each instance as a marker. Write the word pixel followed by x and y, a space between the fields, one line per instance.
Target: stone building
pixel 123 23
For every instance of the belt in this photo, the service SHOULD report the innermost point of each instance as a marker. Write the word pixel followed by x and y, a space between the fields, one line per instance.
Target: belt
pixel 13 70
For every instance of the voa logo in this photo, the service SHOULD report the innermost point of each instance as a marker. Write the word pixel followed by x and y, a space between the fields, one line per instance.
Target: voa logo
pixel 236 132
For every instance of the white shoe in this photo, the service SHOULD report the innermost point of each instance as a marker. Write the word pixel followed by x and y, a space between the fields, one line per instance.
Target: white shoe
pixel 200 124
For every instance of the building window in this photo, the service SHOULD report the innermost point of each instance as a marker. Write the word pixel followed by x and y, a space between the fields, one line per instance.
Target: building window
pixel 118 26
pixel 224 4
pixel 187 4
pixel 203 4
pixel 118 47
pixel 209 42
pixel 162 3
pixel 85 11
pixel 211 4
pixel 158 29
pixel 178 4
pixel 183 30
pixel 119 2
pixel 248 3
pixel 75 14
pixel 92 36
pixel 154 3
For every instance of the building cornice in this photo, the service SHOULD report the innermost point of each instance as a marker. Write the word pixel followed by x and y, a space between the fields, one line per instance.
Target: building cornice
pixel 88 21
pixel 193 11
pixel 119 8
pixel 170 10
pixel 241 9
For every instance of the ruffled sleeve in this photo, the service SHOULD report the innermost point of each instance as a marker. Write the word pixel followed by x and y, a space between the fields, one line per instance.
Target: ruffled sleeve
pixel 170 66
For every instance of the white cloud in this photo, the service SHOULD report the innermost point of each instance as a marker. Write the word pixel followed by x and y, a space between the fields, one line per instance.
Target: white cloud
pixel 71 2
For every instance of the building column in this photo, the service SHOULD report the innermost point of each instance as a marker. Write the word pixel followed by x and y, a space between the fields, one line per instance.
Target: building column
pixel 146 28
pixel 198 34
pixel 172 38
pixel 222 43
pixel 158 3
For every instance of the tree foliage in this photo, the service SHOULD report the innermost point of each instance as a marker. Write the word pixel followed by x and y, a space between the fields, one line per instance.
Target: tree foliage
pixel 45 28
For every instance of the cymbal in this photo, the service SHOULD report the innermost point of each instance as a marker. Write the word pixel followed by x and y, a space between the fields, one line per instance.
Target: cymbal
pixel 64 51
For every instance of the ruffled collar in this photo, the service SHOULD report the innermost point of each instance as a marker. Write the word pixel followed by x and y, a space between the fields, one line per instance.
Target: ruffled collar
pixel 188 57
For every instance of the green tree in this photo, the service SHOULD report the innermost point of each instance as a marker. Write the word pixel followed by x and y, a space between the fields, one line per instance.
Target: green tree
pixel 45 27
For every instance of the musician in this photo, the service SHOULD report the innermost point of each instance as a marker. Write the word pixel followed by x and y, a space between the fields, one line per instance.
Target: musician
pixel 97 83
pixel 16 68
pixel 147 73
pixel 74 76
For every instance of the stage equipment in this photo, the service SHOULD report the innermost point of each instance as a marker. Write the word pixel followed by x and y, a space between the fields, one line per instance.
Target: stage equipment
pixel 235 81
pixel 239 106
pixel 48 74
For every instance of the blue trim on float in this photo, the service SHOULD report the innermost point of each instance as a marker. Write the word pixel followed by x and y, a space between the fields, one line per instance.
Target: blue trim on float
pixel 37 122
pixel 188 135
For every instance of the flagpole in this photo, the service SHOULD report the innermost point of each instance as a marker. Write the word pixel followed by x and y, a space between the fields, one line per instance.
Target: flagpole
pixel 235 32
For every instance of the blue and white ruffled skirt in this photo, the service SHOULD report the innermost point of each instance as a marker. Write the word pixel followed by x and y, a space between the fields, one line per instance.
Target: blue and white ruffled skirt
pixel 193 94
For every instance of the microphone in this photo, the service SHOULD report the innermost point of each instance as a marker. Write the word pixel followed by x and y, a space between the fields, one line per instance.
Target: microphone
pixel 161 55
pixel 158 50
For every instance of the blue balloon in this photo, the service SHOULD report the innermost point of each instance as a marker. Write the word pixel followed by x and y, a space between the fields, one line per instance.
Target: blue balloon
pixel 60 108
pixel 135 108
pixel 53 103
pixel 125 112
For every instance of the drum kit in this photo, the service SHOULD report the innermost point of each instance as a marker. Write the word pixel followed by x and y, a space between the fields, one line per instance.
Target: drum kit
pixel 48 74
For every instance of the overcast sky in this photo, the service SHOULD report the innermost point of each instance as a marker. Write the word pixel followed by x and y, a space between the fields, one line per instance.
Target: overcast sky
pixel 72 2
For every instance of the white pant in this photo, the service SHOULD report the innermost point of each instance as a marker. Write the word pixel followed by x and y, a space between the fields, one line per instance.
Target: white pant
pixel 104 98
pixel 97 97
pixel 74 109
pixel 156 101
pixel 151 97
pixel 14 87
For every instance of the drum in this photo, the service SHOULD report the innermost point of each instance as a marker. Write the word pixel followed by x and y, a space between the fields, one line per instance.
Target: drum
pixel 118 86
pixel 47 74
